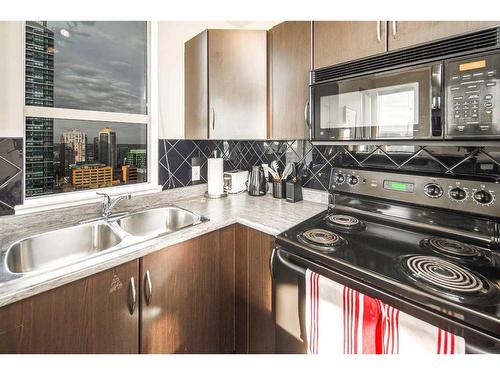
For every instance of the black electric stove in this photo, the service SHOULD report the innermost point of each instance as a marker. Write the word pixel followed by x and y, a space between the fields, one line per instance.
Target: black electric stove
pixel 446 262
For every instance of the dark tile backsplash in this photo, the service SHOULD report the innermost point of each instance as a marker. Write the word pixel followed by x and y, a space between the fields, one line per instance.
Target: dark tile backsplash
pixel 315 162
pixel 11 174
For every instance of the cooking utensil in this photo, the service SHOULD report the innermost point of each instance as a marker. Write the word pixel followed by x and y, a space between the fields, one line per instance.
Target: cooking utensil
pixel 274 166
pixel 268 170
pixel 288 170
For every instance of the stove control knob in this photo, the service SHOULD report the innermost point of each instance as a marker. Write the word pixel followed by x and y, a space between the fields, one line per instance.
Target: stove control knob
pixel 339 179
pixel 352 180
pixel 433 190
pixel 483 197
pixel 458 194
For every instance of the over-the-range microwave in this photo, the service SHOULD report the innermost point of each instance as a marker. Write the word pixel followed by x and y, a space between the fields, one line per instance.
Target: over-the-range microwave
pixel 448 89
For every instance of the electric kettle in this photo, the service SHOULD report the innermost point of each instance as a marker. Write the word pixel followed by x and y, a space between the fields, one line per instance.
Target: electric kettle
pixel 257 181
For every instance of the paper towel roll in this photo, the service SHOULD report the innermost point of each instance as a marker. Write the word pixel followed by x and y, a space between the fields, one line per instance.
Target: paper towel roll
pixel 215 176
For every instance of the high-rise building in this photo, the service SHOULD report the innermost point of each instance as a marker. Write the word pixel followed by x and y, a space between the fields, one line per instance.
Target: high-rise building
pixel 96 149
pixel 107 147
pixel 91 176
pixel 39 84
pixel 137 157
pixel 73 145
pixel 39 91
pixel 39 156
pixel 129 173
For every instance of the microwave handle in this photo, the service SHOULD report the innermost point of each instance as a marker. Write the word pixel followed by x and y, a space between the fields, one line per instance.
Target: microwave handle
pixel 436 100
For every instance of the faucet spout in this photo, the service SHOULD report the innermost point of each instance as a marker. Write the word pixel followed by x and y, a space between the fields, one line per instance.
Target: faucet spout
pixel 109 203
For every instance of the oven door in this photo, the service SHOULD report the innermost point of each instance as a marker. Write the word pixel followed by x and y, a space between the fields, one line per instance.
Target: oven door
pixel 289 296
pixel 399 104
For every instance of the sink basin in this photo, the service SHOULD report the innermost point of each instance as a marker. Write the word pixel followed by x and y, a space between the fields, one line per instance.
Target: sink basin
pixel 158 221
pixel 61 247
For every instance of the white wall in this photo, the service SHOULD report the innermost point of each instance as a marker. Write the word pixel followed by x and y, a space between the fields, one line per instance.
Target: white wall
pixel 171 39
pixel 11 79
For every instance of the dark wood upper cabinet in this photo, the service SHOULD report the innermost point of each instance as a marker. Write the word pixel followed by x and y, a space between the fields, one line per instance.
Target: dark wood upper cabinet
pixel 255 324
pixel 91 315
pixel 289 63
pixel 406 33
pixel 188 296
pixel 340 41
pixel 226 85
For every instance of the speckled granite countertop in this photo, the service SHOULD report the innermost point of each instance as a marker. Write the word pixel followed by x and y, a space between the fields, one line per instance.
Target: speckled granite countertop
pixel 266 214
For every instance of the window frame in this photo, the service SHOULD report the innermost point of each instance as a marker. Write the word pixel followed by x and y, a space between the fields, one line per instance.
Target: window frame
pixel 67 199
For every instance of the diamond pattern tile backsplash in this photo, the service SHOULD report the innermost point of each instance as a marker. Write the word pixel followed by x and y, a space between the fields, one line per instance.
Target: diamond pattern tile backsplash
pixel 314 163
pixel 11 174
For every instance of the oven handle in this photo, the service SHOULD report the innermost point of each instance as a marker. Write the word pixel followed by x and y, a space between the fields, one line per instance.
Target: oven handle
pixel 278 253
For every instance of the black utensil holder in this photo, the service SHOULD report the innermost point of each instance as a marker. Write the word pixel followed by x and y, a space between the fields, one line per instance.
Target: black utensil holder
pixel 279 190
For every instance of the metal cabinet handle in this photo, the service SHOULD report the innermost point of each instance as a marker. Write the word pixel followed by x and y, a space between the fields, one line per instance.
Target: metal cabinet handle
pixel 306 114
pixel 212 117
pixel 379 36
pixel 394 28
pixel 132 296
pixel 148 288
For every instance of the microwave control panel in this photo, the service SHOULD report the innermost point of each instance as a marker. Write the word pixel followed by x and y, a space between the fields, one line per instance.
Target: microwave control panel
pixel 473 97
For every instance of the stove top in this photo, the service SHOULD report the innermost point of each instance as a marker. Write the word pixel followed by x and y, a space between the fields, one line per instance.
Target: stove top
pixel 441 270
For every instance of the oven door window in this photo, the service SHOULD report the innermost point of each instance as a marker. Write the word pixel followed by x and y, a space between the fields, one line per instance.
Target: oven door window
pixel 382 106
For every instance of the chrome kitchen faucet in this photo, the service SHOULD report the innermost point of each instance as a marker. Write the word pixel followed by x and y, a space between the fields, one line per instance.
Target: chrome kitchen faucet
pixel 108 203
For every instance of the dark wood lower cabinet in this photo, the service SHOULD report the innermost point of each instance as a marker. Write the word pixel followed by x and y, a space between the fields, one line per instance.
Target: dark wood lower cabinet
pixel 210 294
pixel 191 309
pixel 86 316
pixel 255 326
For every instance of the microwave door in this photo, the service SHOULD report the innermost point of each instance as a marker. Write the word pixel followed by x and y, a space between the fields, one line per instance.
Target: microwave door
pixel 342 113
pixel 390 105
pixel 403 104
pixel 397 111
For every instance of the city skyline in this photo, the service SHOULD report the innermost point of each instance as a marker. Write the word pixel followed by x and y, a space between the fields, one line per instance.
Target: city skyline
pixel 126 133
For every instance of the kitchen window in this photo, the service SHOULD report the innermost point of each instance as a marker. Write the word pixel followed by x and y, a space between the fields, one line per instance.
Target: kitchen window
pixel 87 107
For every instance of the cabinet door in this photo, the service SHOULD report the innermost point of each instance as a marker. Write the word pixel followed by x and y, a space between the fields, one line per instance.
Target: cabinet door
pixel 255 325
pixel 289 66
pixel 190 305
pixel 196 87
pixel 237 81
pixel 86 316
pixel 339 41
pixel 406 33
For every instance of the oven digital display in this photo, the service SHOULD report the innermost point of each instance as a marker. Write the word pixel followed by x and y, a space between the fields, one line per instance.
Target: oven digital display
pixel 406 187
pixel 472 65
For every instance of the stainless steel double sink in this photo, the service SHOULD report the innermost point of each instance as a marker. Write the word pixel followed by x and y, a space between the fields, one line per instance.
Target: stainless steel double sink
pixel 65 246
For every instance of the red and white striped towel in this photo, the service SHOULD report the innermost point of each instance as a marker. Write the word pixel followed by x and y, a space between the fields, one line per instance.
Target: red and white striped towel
pixel 342 320
pixel 339 319
pixel 405 334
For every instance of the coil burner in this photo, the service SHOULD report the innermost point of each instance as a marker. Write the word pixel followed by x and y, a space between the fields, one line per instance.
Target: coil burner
pixel 446 278
pixel 456 250
pixel 345 223
pixel 321 239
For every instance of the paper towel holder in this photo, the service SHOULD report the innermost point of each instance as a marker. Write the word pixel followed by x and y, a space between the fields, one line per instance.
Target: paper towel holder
pixel 214 196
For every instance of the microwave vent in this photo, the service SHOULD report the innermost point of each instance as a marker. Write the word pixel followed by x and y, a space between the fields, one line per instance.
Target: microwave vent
pixel 444 48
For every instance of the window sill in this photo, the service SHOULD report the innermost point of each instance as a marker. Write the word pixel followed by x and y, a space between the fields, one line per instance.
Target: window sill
pixel 32 205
